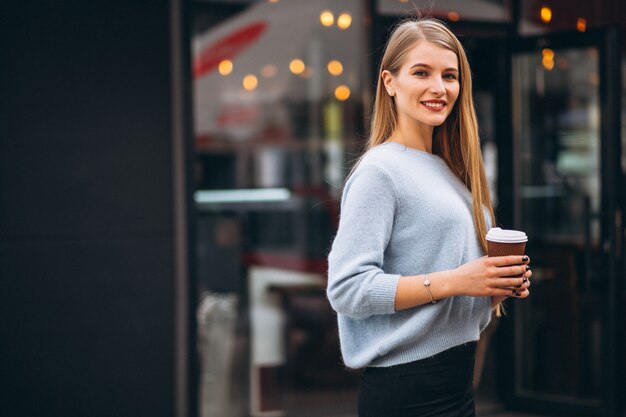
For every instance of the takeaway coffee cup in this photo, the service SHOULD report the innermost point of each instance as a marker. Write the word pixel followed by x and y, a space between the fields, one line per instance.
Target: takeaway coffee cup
pixel 502 242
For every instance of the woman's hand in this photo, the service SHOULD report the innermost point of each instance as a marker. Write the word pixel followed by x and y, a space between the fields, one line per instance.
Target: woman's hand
pixel 483 277
pixel 492 276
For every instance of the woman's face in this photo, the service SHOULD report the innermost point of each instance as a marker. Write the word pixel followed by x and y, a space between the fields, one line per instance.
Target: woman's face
pixel 426 86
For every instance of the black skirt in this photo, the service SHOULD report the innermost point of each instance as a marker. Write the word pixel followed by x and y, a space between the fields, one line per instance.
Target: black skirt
pixel 439 386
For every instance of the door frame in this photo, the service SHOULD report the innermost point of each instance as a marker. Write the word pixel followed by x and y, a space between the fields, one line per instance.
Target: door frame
pixel 606 40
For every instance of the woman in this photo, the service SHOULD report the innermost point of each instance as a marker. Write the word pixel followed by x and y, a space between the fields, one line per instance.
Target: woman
pixel 407 272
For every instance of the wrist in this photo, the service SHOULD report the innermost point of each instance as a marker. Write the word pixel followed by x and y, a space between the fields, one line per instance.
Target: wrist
pixel 440 284
pixel 458 282
pixel 427 285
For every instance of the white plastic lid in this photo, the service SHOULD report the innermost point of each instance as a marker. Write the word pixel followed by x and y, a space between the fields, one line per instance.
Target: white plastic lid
pixel 496 234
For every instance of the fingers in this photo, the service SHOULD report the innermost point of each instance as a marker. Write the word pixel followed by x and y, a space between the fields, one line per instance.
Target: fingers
pixel 506 276
pixel 515 292
pixel 512 271
pixel 507 292
pixel 522 294
pixel 515 288
pixel 509 260
pixel 512 283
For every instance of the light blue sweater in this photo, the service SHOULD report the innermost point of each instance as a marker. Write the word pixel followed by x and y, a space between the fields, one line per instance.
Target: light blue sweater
pixel 403 212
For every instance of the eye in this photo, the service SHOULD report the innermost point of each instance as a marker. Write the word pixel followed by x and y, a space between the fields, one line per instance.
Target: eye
pixel 450 76
pixel 421 73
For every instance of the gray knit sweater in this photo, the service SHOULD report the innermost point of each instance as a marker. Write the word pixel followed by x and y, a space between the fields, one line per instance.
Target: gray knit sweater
pixel 403 212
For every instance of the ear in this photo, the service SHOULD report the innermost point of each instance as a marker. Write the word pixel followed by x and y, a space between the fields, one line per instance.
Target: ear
pixel 388 82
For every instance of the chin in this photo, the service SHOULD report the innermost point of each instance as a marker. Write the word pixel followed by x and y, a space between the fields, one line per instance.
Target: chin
pixel 435 122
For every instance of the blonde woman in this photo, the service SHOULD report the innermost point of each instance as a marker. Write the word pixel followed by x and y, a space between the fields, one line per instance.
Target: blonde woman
pixel 407 273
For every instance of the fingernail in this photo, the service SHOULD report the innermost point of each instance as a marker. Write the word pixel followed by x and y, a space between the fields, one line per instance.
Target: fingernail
pixel 524 258
pixel 525 280
pixel 517 294
pixel 513 291
pixel 527 268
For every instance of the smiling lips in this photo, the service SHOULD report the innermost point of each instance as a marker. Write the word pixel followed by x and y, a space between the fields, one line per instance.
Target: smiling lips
pixel 434 105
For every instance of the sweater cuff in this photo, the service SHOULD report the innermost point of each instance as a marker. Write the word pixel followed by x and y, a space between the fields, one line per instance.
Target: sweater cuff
pixel 383 293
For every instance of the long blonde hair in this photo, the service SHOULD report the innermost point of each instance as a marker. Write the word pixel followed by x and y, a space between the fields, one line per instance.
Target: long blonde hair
pixel 456 141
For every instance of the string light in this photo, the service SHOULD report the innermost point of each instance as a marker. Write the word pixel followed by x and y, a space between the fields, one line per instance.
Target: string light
pixel 297 66
pixel 546 14
pixel 581 24
pixel 327 18
pixel 344 20
pixel 250 82
pixel 335 67
pixel 269 71
pixel 454 16
pixel 547 59
pixel 342 92
pixel 225 67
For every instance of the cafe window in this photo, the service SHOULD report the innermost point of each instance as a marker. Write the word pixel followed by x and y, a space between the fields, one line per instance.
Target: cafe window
pixel 496 11
pixel 539 17
pixel 280 90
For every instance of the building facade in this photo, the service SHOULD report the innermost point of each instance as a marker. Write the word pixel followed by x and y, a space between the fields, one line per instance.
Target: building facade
pixel 282 91
pixel 169 186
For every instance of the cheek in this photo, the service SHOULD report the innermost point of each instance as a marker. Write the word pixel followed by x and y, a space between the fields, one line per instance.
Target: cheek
pixel 453 93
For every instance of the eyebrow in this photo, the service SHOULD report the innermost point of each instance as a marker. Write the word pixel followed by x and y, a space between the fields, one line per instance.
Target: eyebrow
pixel 429 67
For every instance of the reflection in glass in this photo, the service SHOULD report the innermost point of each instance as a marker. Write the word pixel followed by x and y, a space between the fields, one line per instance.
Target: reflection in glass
pixel 546 17
pixel 545 13
pixel 344 20
pixel 327 18
pixel 453 10
pixel 557 152
pixel 278 104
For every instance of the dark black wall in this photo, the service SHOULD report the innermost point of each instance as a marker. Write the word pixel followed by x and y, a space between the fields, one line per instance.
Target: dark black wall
pixel 86 202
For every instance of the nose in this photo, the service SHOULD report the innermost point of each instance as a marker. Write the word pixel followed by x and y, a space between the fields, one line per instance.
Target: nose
pixel 437 86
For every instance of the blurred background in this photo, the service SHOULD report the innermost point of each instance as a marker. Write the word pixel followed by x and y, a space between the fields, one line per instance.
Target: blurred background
pixel 170 175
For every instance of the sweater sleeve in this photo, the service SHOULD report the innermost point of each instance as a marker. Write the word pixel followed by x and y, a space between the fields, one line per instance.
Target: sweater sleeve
pixel 357 285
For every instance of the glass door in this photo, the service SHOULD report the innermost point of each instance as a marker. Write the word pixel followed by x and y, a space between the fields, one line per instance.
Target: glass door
pixel 565 179
pixel 279 91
